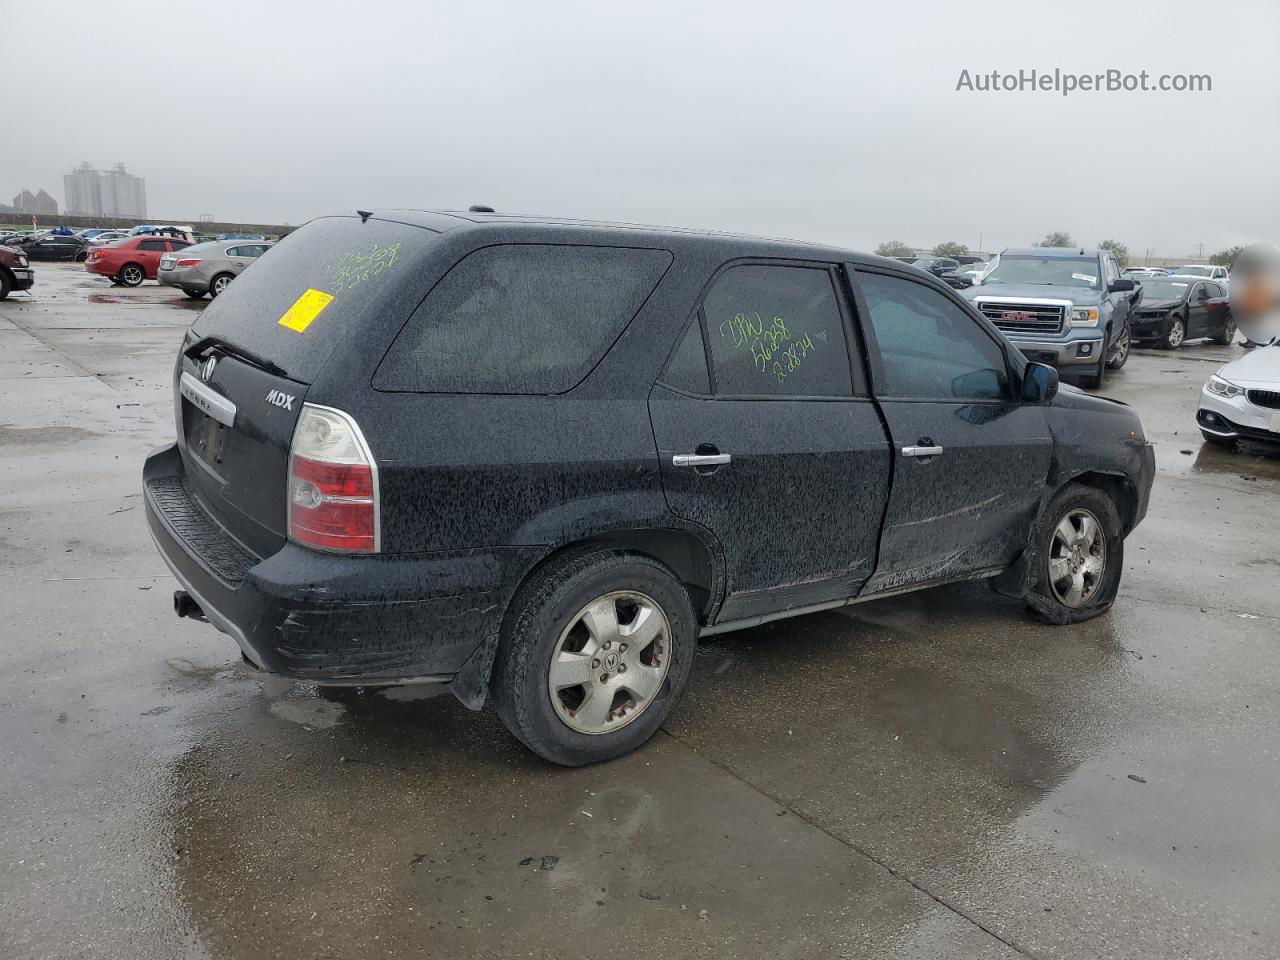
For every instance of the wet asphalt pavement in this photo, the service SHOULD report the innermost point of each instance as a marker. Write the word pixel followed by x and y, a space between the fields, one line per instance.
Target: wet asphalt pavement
pixel 935 776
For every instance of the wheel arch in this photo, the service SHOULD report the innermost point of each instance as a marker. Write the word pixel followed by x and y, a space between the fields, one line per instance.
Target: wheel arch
pixel 1119 487
pixel 691 555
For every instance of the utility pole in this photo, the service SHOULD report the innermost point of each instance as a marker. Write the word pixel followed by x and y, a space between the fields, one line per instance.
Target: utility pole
pixel 1200 251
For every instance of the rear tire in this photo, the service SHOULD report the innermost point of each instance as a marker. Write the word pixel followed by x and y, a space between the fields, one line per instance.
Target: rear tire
pixel 1077 568
pixel 131 275
pixel 219 283
pixel 5 285
pixel 587 604
pixel 1176 335
pixel 81 257
pixel 1227 334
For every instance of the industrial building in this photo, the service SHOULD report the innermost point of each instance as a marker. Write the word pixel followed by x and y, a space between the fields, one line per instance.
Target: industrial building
pixel 105 193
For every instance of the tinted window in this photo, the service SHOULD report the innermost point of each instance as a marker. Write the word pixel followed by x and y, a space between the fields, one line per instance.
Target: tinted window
pixel 520 318
pixel 687 368
pixel 361 266
pixel 776 331
pixel 1214 290
pixel 152 245
pixel 929 347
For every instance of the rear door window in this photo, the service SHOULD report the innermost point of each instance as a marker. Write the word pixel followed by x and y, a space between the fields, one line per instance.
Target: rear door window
pixel 520 319
pixel 776 331
pixel 339 272
pixel 153 245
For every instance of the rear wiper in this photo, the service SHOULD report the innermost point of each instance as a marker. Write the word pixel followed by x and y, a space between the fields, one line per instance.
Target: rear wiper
pixel 240 353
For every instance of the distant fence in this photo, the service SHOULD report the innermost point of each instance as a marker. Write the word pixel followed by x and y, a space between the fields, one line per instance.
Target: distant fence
pixel 23 220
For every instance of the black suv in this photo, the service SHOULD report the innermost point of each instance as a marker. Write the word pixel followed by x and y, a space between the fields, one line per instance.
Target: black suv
pixel 535 460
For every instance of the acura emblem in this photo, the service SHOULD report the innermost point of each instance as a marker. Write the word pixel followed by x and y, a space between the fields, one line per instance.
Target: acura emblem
pixel 206 368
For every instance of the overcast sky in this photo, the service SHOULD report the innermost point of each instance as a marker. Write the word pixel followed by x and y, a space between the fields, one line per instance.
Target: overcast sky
pixel 834 122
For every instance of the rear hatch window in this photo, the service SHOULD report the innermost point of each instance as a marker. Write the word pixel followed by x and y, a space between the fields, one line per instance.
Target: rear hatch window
pixel 249 359
pixel 308 292
pixel 521 319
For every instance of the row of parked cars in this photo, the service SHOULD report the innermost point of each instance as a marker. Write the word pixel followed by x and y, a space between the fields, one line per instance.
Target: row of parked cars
pixel 172 255
pixel 1075 308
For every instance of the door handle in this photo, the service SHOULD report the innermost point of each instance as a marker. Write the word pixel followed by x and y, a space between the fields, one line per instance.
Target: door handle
pixel 700 459
pixel 924 448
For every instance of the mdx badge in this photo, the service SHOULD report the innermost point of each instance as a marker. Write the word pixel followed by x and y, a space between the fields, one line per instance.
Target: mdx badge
pixel 279 399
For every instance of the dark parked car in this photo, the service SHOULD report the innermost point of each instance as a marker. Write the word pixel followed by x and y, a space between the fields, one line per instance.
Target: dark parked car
pixel 56 247
pixel 1175 309
pixel 936 265
pixel 15 272
pixel 535 460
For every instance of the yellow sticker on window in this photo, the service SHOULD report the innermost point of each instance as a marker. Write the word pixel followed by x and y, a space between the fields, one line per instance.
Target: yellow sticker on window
pixel 305 309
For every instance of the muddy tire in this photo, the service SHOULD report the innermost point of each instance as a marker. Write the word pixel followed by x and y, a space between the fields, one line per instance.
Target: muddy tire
pixel 131 275
pixel 1079 556
pixel 561 683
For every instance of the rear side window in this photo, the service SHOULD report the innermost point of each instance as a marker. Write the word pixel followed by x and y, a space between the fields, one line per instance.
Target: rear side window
pixel 776 331
pixel 341 274
pixel 153 245
pixel 521 318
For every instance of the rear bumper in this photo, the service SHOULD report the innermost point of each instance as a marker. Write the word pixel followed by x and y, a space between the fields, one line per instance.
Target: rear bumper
pixel 328 617
pixel 103 267
pixel 183 280
pixel 1060 353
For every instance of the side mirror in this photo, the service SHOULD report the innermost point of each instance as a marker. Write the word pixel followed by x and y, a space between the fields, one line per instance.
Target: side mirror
pixel 1039 383
pixel 1120 286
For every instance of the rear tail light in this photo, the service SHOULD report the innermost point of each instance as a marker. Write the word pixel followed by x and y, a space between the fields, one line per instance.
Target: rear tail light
pixel 333 484
pixel 187 263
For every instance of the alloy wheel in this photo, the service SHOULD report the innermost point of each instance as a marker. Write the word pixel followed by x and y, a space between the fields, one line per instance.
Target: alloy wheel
pixel 1177 333
pixel 1120 352
pixel 610 662
pixel 220 284
pixel 132 276
pixel 1077 558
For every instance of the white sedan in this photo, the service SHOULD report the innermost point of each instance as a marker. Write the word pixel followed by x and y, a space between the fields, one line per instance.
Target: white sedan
pixel 1242 400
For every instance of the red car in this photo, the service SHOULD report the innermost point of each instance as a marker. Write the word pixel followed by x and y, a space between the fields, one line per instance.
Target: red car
pixel 128 262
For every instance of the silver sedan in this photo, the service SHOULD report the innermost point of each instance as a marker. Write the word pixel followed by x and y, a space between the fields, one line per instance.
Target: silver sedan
pixel 208 267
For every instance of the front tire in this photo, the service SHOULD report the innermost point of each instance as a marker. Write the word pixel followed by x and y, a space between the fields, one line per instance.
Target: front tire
pixel 595 651
pixel 1176 334
pixel 194 294
pixel 1118 356
pixel 1079 544
pixel 131 275
pixel 1094 381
